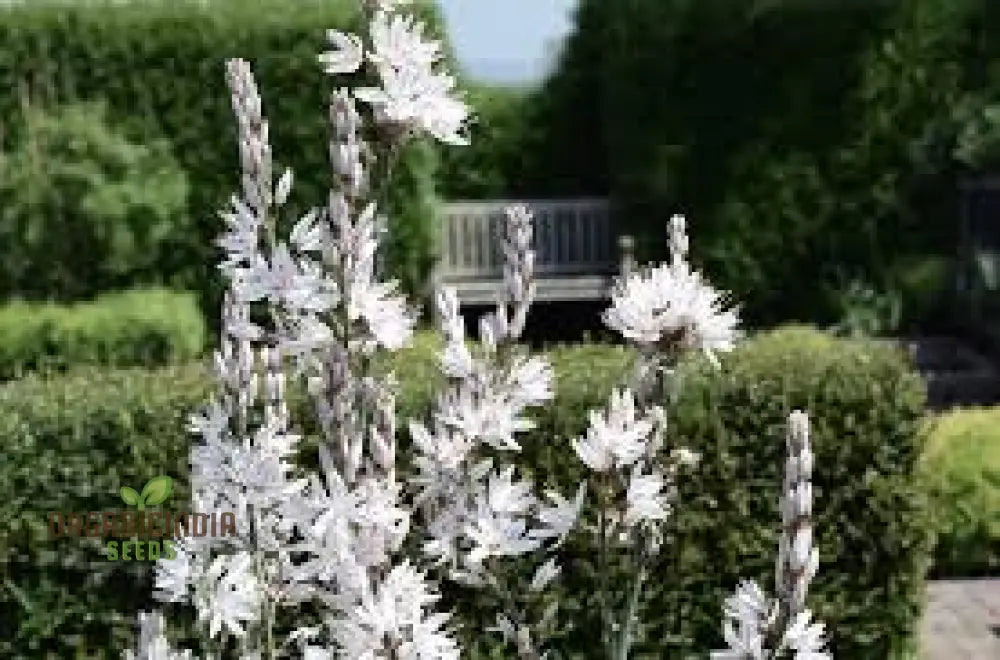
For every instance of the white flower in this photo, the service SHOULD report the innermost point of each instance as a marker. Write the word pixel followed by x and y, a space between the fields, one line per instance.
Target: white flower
pixel 234 597
pixel 348 54
pixel 506 628
pixel 672 303
pixel 256 475
pixel 174 577
pixel 489 416
pixel 211 424
pixel 499 527
pixel 496 535
pixel 152 642
pixel 398 42
pixel 530 381
pixel 748 617
pixel 493 328
pixel 645 498
pixel 308 235
pixel 438 455
pixel 545 574
pixel 395 614
pixel 805 638
pixel 444 532
pixel 383 524
pixel 456 360
pixel 303 333
pixel 240 241
pixel 300 285
pixel 685 457
pixel 421 99
pixel 324 516
pixel 412 92
pixel 283 187
pixel 560 519
pixel 449 314
pixel 504 495
pixel 313 652
pixel 678 238
pixel 389 321
pixel 615 439
pixel 237 324
pixel 249 282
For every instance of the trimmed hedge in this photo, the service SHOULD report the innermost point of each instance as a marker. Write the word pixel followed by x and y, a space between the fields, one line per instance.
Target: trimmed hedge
pixel 159 67
pixel 872 525
pixel 962 465
pixel 144 327
pixel 69 444
pixel 84 208
pixel 73 441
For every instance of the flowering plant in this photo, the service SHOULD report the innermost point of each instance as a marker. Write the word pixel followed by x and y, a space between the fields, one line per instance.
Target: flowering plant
pixel 312 307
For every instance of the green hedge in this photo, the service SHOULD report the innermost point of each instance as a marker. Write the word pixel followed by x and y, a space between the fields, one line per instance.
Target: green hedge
pixel 494 164
pixel 962 465
pixel 800 135
pixel 86 209
pixel 159 67
pixel 145 327
pixel 69 444
pixel 72 442
pixel 872 524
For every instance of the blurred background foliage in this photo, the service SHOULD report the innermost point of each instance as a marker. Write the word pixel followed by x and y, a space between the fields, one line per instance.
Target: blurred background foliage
pixel 804 138
pixel 813 144
pixel 86 209
pixel 157 68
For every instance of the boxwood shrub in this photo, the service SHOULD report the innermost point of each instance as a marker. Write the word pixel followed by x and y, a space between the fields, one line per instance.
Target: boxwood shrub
pixel 143 327
pixel 962 465
pixel 71 442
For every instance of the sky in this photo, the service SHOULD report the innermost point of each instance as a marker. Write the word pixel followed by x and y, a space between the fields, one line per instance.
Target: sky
pixel 506 41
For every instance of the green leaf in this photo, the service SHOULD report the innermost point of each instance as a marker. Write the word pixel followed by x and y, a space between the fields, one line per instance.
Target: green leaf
pixel 157 490
pixel 129 495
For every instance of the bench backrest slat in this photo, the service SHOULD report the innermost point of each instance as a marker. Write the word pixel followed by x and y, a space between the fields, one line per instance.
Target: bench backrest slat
pixel 572 237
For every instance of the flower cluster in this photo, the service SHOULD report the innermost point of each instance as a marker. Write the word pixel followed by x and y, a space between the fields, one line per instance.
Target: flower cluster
pixel 671 307
pixel 415 93
pixel 323 312
pixel 758 627
pixel 314 308
pixel 475 508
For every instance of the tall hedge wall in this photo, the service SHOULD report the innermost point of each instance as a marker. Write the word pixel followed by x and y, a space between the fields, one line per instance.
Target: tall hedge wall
pixel 71 442
pixel 809 141
pixel 159 66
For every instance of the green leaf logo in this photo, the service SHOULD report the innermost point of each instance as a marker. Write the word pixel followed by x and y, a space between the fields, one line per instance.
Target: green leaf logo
pixel 129 496
pixel 156 491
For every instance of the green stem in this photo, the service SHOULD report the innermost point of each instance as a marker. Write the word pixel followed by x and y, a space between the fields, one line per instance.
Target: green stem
pixel 510 605
pixel 602 559
pixel 633 607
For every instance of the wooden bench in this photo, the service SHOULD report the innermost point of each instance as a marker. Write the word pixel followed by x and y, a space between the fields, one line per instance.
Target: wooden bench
pixel 578 249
